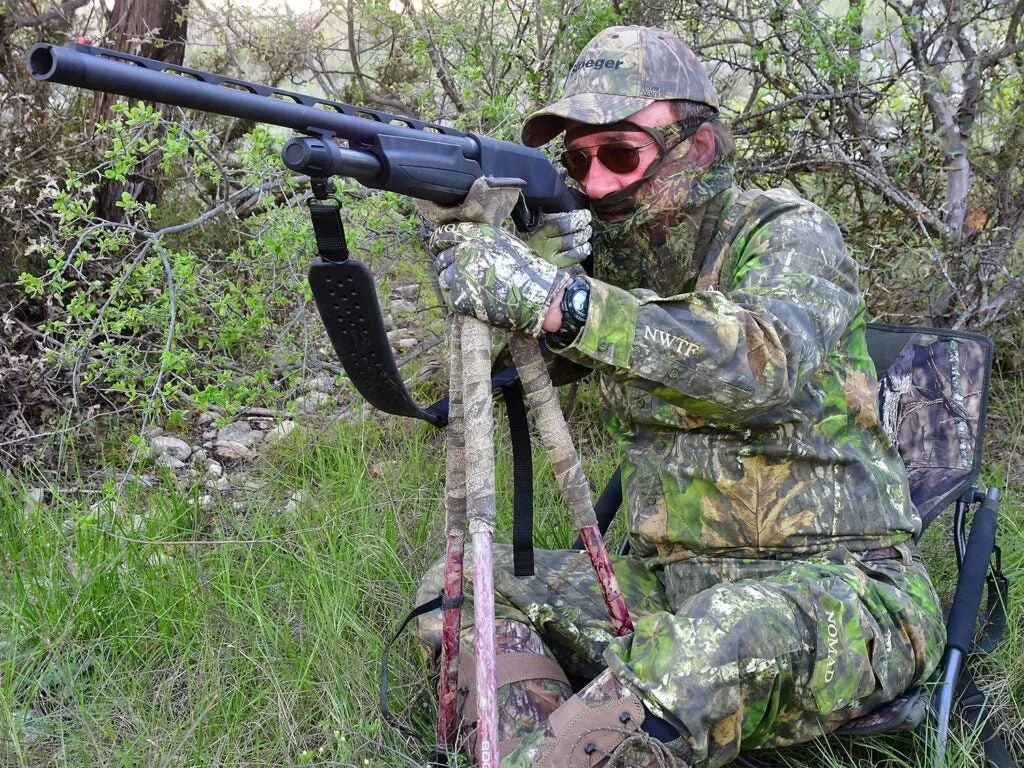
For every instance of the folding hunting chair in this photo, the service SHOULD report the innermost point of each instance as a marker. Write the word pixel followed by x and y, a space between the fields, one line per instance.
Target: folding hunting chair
pixel 933 396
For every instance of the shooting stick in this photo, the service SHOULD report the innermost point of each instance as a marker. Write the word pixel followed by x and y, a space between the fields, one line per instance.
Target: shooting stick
pixel 455 540
pixel 554 433
pixel 469 486
pixel 470 495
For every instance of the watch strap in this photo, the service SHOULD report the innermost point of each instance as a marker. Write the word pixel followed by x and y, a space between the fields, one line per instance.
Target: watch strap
pixel 575 304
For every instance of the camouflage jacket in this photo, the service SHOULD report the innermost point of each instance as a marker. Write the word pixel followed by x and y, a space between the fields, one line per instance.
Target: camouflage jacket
pixel 747 407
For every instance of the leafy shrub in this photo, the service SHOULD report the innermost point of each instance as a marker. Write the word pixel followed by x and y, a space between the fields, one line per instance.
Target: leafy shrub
pixel 166 314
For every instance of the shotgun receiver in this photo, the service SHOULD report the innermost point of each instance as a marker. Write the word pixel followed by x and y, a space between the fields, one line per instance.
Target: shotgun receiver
pixel 384 151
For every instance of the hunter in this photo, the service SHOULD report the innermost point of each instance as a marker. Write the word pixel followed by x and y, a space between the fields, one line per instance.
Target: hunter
pixel 772 578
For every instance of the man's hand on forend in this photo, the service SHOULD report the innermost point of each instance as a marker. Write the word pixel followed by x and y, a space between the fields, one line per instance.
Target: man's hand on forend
pixel 493 276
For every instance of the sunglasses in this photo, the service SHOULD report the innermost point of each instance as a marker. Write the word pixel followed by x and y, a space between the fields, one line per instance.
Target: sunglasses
pixel 621 157
pixel 617 157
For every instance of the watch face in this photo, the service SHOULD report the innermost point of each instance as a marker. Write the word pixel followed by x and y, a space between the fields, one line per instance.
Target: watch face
pixel 574 305
pixel 579 302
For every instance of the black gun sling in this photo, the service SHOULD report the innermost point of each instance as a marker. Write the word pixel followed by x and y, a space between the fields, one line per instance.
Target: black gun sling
pixel 346 298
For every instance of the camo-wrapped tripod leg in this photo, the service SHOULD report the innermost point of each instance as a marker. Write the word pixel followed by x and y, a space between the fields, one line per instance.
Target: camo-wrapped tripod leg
pixel 478 460
pixel 455 541
pixel 543 403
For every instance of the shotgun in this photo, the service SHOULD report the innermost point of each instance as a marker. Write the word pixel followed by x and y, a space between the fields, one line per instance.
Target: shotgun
pixel 383 151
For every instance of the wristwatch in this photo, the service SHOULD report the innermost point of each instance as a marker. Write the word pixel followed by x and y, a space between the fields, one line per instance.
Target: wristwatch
pixel 574 305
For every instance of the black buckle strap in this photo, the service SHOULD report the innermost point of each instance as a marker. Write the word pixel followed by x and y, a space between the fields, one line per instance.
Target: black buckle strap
pixel 325 211
pixel 522 480
pixel 419 610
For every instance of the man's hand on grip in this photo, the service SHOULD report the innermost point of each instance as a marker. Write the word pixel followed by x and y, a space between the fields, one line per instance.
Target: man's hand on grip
pixel 562 238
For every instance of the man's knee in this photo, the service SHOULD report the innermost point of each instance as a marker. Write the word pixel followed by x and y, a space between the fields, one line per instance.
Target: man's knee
pixel 530 684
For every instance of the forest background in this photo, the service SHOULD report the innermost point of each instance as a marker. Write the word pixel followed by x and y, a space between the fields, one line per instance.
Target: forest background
pixel 152 288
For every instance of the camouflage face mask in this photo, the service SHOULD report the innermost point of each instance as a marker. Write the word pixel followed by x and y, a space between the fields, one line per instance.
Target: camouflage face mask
pixel 654 247
pixel 672 141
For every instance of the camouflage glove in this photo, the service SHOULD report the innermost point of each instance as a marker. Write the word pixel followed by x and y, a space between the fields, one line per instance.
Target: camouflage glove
pixel 490 201
pixel 562 239
pixel 488 274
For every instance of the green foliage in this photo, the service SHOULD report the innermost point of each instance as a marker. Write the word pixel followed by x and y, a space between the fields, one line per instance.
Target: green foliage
pixel 159 325
pixel 166 314
pixel 145 629
pixel 138 626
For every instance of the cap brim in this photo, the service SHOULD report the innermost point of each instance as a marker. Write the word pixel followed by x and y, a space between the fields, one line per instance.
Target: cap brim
pixel 591 108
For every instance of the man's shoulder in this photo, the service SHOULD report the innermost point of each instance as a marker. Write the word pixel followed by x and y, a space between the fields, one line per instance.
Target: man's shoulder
pixel 752 219
pixel 762 211
pixel 761 203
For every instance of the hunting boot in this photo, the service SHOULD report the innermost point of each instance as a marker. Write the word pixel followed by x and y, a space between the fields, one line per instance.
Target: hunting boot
pixel 600 726
pixel 531 685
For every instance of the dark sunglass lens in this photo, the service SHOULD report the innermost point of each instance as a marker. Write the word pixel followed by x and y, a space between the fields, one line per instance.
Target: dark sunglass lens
pixel 619 158
pixel 577 163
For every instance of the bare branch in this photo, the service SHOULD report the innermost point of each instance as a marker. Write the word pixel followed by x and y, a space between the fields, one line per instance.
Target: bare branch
pixel 62 12
pixel 435 57
pixel 882 185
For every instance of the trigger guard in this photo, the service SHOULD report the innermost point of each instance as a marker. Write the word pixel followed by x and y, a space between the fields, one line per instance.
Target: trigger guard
pixel 524 219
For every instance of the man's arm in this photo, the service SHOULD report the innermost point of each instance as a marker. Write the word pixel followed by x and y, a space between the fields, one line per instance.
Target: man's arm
pixel 732 353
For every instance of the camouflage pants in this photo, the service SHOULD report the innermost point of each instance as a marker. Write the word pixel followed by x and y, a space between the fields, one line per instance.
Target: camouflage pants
pixel 736 654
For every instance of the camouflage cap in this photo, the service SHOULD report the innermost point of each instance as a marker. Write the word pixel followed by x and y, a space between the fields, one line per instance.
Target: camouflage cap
pixel 621 71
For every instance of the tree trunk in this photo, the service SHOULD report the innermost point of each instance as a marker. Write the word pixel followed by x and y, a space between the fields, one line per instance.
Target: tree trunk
pixel 155 29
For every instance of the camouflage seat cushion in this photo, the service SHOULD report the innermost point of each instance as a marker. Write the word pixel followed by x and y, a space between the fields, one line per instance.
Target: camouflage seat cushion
pixel 933 391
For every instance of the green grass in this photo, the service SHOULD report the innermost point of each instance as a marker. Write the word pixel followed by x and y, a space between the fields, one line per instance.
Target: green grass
pixel 158 633
pixel 245 637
